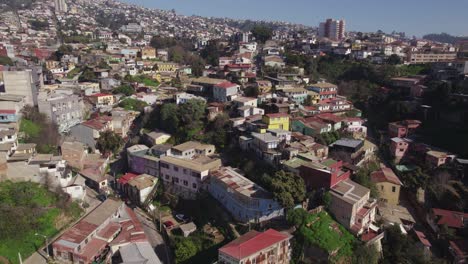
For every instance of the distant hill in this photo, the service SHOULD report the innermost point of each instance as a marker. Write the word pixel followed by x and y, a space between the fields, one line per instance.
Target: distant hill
pixel 444 38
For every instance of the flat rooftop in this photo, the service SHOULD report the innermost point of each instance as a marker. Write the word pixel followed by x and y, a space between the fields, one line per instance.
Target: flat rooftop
pixel 240 184
pixel 349 191
pixel 346 142
pixel 201 163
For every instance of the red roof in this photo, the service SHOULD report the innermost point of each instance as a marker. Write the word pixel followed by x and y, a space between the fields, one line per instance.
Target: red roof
pixel 275 115
pixel 328 92
pixel 246 66
pixel 100 94
pixel 109 230
pixel 450 218
pixel 252 242
pixel 422 238
pixel 385 175
pixel 78 232
pixel 98 123
pixel 226 85
pixel 369 235
pixel 93 248
pixel 6 111
pixel 354 119
pixel 330 117
pixel 126 178
pixel 132 230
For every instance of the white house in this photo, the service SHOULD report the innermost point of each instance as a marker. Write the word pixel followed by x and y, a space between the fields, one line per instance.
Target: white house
pixel 225 91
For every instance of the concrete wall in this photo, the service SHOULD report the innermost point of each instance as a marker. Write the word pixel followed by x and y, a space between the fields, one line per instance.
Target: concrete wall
pixel 21 83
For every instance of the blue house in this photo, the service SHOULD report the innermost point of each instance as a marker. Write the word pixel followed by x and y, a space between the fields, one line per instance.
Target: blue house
pixel 245 200
pixel 8 116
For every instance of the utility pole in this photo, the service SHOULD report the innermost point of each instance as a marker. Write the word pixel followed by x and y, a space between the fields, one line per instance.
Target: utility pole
pixel 20 259
pixel 46 243
pixel 160 222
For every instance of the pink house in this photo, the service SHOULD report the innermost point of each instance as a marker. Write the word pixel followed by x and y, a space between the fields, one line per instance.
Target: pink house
pixel 398 148
pixel 402 128
pixel 436 158
pixel 352 206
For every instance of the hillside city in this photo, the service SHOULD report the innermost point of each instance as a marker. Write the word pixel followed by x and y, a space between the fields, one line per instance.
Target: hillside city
pixel 143 136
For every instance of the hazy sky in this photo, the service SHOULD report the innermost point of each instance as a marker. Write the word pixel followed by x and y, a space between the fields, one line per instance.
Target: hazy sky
pixel 415 17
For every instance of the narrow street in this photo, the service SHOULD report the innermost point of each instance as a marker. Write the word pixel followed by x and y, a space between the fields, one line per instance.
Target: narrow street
pixel 154 237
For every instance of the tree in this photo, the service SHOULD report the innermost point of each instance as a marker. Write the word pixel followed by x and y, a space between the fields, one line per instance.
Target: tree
pixel 133 104
pixel 262 33
pixel 39 130
pixel 162 42
pixel 297 217
pixel 155 67
pixel 39 25
pixel 216 132
pixel 399 248
pixel 198 66
pixel 394 59
pixel 288 188
pixel 4 60
pixel 365 254
pixel 104 65
pixel 326 199
pixel 125 89
pixel 252 91
pixel 414 179
pixel 168 118
pixel 211 53
pixel 88 75
pixel 363 178
pixel 109 142
pixel 184 250
pixel 176 54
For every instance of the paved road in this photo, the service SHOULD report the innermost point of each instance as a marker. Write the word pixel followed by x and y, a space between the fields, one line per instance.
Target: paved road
pixel 154 237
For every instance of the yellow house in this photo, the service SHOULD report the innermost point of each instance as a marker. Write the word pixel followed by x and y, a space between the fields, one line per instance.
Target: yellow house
pixel 148 53
pixel 388 185
pixel 102 99
pixel 163 78
pixel 276 121
pixel 157 138
pixel 315 96
pixel 167 66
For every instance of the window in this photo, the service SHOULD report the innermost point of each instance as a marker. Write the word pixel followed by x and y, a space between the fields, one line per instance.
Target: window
pixel 393 189
pixel 185 183
pixel 185 171
pixel 195 174
pixel 176 168
pixel 194 185
pixel 381 187
pixel 164 165
pixel 176 180
pixel 167 177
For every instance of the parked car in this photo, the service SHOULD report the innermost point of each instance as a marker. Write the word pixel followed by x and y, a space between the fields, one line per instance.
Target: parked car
pixel 101 197
pixel 182 218
pixel 168 224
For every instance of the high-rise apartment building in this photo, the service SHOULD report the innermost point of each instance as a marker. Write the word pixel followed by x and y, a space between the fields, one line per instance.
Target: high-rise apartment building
pixel 332 29
pixel 61 6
